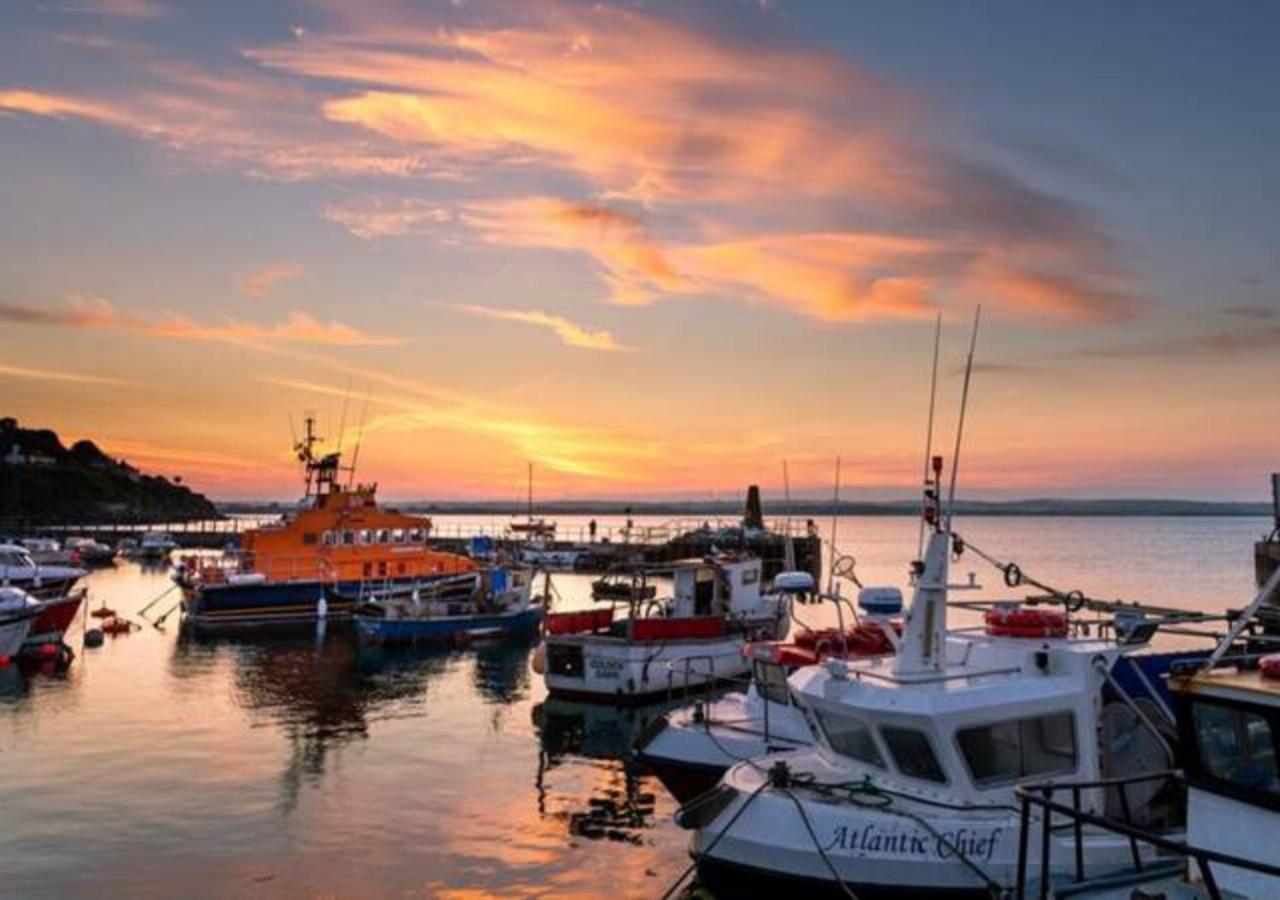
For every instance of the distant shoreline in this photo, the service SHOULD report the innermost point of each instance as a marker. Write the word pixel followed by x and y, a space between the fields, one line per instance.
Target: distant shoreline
pixel 811 508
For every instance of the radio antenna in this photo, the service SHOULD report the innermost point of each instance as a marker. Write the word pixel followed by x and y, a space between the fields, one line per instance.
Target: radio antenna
pixel 928 438
pixel 964 405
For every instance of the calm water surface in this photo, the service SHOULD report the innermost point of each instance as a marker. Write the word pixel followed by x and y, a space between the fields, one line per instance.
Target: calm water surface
pixel 161 765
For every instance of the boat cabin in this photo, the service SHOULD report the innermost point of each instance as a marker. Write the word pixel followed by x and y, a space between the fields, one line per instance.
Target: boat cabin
pixel 1229 723
pixel 345 537
pixel 1002 711
pixel 716 586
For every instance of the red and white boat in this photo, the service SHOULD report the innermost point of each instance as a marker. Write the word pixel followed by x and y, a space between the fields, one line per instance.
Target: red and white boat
pixel 54 617
pixel 692 640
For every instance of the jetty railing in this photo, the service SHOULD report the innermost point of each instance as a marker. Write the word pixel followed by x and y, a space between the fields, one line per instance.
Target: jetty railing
pixel 578 532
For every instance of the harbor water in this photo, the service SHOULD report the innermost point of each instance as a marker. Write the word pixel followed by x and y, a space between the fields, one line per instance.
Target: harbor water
pixel 162 764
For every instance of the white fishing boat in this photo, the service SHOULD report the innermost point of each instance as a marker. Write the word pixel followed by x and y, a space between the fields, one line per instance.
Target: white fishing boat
pixel 911 786
pixel 692 640
pixel 691 748
pixel 18 569
pixel 18 610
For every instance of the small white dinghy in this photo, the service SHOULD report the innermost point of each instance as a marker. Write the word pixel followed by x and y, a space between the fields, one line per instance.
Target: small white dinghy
pixel 18 610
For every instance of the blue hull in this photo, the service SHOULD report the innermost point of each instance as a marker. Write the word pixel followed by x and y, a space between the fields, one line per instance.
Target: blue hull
pixel 282 603
pixel 446 628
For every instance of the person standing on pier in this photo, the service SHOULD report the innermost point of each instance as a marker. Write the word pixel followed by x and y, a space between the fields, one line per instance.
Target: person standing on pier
pixel 591 530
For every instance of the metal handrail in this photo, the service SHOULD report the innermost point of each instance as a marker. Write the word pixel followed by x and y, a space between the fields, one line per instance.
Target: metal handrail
pixel 1041 796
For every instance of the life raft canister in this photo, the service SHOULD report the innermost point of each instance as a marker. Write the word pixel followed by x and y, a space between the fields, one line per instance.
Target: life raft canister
pixel 1026 622
pixel 1270 665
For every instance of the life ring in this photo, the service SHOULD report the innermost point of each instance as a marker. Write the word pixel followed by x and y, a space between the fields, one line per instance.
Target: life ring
pixel 1270 666
pixel 1026 622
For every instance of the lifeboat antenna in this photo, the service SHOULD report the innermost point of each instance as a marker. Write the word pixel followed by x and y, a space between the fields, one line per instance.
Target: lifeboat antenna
pixel 355 454
pixel 342 423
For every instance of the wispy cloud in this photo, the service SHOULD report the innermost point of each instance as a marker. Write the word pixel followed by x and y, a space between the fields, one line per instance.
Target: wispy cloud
pixel 97 313
pixel 262 281
pixel 751 158
pixel 51 375
pixel 124 9
pixel 381 216
pixel 569 332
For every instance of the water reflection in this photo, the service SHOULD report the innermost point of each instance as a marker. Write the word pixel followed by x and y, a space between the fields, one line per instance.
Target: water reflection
pixel 323 689
pixel 586 777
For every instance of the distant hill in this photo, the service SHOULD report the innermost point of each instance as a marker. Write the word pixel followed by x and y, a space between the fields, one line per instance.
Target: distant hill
pixel 43 480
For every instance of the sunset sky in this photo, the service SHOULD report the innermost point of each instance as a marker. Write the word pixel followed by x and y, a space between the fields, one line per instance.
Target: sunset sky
pixel 654 248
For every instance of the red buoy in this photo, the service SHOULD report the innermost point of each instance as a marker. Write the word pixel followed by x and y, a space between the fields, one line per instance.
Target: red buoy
pixel 1270 666
pixel 5 660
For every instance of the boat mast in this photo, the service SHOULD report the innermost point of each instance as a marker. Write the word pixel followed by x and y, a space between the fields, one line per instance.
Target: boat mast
pixel 923 647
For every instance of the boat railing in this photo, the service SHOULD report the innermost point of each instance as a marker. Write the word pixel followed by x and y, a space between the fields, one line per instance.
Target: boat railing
pixel 277 567
pixel 1055 816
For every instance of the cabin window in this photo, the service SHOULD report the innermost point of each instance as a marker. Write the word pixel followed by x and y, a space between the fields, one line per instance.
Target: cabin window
pixel 415 535
pixel 348 538
pixel 750 576
pixel 1004 752
pixel 366 536
pixel 913 754
pixel 849 737
pixel 309 538
pixel 397 536
pixel 1236 747
pixel 771 682
pixel 399 568
pixel 367 570
pixel 384 536
pixel 382 569
pixel 327 538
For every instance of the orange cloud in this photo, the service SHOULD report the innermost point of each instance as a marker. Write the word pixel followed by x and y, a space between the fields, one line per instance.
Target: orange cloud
pixel 569 332
pixel 262 281
pixel 97 313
